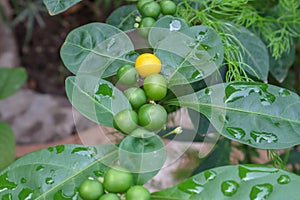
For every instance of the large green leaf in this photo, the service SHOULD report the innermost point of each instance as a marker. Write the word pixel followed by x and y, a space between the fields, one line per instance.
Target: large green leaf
pixel 11 80
pixel 253 113
pixel 7 145
pixel 251 182
pixel 58 6
pixel 123 17
pixel 253 50
pixel 55 172
pixel 95 98
pixel 143 155
pixel 190 55
pixel 92 48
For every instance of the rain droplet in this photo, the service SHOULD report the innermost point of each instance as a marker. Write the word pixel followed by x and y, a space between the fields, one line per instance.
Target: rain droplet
pixel 210 175
pixel 23 180
pixel 283 92
pixel 197 74
pixel 49 180
pixel 191 186
pixel 261 192
pixel 201 36
pixel 59 149
pixel 224 119
pixel 237 133
pixel 263 137
pixel 175 25
pixel 247 173
pixel 205 47
pixel 39 168
pixel 6 184
pixel 283 179
pixel 61 195
pixel 208 91
pixel 99 173
pixel 50 149
pixel 229 188
pixel 83 151
pixel 103 90
pixel 25 194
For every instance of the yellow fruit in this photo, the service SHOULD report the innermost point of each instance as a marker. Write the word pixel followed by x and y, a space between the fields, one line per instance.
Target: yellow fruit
pixel 147 64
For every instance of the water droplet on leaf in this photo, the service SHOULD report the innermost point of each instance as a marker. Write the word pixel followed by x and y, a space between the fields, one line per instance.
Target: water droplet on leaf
pixel 83 151
pixel 229 188
pixel 197 74
pixel 263 137
pixel 175 25
pixel 23 180
pixel 247 173
pixel 25 194
pixel 210 175
pixel 208 91
pixel 261 192
pixel 39 168
pixel 49 180
pixel 237 133
pixel 283 179
pixel 191 186
pixel 103 90
pixel 59 149
pixel 283 92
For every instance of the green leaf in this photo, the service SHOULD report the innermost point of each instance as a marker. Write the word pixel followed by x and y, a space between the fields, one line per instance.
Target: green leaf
pixel 58 6
pixel 235 182
pixel 92 48
pixel 257 114
pixel 190 55
pixel 163 27
pixel 219 156
pixel 123 17
pixel 279 68
pixel 95 98
pixel 55 172
pixel 11 80
pixel 143 155
pixel 7 145
pixel 253 51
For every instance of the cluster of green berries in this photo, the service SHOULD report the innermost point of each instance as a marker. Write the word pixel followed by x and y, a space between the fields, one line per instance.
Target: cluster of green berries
pixel 150 10
pixel 145 112
pixel 117 184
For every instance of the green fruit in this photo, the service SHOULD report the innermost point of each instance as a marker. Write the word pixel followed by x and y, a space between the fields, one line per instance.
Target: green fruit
pixel 126 121
pixel 152 117
pixel 109 196
pixel 155 86
pixel 127 75
pixel 150 9
pixel 141 3
pixel 91 189
pixel 145 25
pixel 136 97
pixel 168 7
pixel 138 192
pixel 117 180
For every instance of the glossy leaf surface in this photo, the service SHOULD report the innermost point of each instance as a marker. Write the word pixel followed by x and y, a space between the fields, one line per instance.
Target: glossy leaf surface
pixel 95 98
pixel 7 145
pixel 11 80
pixel 92 48
pixel 55 172
pixel 235 182
pixel 58 6
pixel 143 156
pixel 190 55
pixel 260 115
